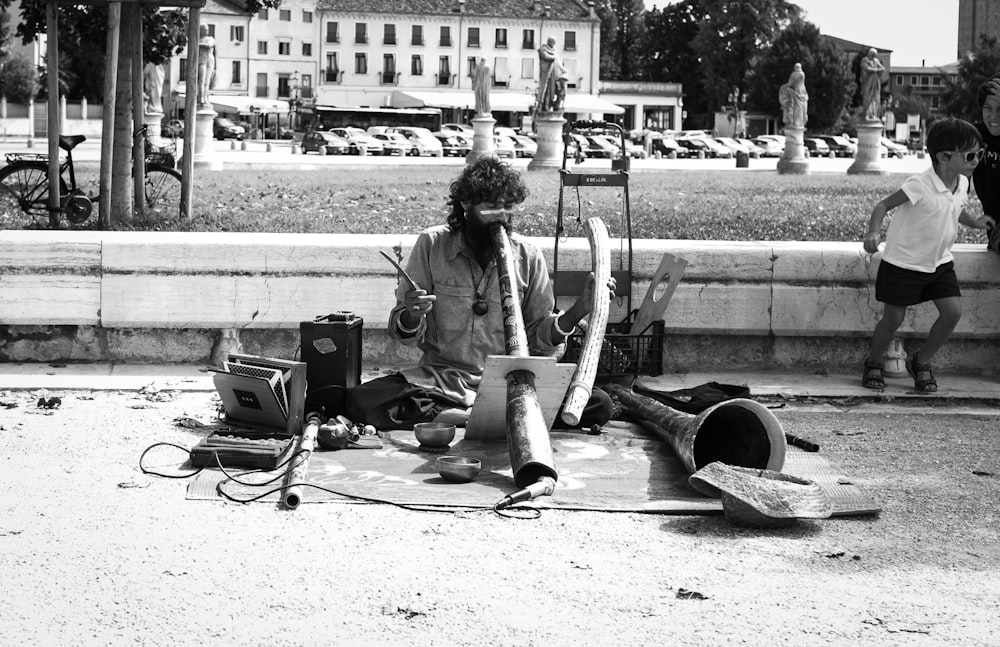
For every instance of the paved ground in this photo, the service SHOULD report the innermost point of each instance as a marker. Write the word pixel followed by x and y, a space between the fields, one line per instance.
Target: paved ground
pixel 95 552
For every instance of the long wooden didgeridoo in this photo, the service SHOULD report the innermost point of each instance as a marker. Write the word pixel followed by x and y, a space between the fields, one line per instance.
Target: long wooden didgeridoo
pixel 527 434
pixel 296 477
pixel 590 353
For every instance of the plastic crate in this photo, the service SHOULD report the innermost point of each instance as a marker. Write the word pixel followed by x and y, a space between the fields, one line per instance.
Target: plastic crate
pixel 622 353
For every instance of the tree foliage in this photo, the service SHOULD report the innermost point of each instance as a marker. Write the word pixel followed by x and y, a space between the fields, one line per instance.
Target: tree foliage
pixel 731 38
pixel 666 51
pixel 83 33
pixel 710 46
pixel 973 70
pixel 828 81
pixel 622 27
pixel 18 79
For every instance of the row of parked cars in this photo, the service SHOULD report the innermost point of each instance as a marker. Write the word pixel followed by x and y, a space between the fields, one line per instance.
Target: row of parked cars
pixel 452 140
pixel 702 143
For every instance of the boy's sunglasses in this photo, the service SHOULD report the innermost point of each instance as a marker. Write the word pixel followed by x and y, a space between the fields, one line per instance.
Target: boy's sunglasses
pixel 974 156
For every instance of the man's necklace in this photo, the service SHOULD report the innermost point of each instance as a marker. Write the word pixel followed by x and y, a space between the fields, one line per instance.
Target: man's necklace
pixel 481 306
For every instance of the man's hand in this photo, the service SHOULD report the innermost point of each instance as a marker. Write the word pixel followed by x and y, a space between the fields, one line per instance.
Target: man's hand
pixel 416 303
pixel 586 299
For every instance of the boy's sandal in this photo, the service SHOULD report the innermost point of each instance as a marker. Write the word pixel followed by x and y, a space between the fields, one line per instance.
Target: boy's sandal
pixel 872 377
pixel 923 377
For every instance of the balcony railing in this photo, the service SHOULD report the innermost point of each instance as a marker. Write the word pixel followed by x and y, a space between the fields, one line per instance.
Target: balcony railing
pixel 332 75
pixel 444 79
pixel 389 78
pixel 260 91
pixel 445 42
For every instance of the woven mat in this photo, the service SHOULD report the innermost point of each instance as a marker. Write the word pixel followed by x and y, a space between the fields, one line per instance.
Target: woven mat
pixel 620 470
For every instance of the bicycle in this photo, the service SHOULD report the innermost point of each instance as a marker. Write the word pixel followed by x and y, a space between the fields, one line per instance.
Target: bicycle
pixel 24 183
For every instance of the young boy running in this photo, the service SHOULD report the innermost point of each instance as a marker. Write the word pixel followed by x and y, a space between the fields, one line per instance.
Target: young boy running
pixel 917 264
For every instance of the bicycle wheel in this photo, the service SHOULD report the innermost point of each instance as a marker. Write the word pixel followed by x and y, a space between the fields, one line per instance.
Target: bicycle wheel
pixel 24 189
pixel 163 192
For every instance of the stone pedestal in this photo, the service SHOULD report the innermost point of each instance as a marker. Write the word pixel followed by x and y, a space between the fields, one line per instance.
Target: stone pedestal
pixel 550 142
pixel 869 158
pixel 204 149
pixel 153 122
pixel 793 160
pixel 483 144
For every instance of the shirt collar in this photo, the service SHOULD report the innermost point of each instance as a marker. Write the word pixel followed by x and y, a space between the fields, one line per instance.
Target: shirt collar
pixel 937 183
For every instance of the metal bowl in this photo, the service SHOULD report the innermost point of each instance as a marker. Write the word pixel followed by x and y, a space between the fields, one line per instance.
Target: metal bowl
pixel 458 469
pixel 434 435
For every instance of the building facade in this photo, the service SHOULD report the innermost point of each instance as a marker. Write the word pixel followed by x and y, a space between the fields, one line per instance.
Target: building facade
pixel 401 53
pixel 976 18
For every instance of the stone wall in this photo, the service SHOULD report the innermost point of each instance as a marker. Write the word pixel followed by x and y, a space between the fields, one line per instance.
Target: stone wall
pixel 163 297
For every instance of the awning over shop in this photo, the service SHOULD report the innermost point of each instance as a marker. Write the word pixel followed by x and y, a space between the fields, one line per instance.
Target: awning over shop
pixel 588 103
pixel 512 101
pixel 243 105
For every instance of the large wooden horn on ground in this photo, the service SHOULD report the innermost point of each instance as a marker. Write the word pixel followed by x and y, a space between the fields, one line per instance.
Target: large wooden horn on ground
pixel 590 353
pixel 739 432
pixel 527 434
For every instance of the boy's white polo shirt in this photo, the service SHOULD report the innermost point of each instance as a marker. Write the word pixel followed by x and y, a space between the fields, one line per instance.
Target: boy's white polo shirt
pixel 923 230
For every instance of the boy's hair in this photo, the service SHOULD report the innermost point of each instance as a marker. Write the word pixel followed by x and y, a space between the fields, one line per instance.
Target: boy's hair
pixel 486 180
pixel 951 134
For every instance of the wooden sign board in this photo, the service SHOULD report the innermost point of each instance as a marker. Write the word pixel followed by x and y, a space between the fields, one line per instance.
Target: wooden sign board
pixel 488 419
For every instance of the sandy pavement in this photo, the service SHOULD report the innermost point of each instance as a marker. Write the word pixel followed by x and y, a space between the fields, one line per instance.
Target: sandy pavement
pixel 93 552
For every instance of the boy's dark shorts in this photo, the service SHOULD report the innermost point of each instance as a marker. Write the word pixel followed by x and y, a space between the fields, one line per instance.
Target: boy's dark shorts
pixel 901 287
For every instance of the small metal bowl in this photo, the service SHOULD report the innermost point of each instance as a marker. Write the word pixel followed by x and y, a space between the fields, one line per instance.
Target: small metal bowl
pixel 434 436
pixel 458 469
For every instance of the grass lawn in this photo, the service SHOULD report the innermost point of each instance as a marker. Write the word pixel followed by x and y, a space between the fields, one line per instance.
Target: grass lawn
pixel 720 205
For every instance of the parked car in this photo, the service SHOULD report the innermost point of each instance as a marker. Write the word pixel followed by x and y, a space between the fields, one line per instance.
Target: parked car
pixel 733 144
pixel 452 145
pixel 694 146
pixel 318 140
pixel 504 146
pixel 505 131
pixel 816 147
pixel 423 140
pixel 755 149
pixel 664 145
pixel 840 146
pixel 173 128
pixel 525 146
pixel 356 138
pixel 223 128
pixel 601 147
pixel 772 147
pixel 893 149
pixel 634 150
pixel 396 144
pixel 461 129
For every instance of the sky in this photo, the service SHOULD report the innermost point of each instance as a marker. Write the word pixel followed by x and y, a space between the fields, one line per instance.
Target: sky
pixel 914 31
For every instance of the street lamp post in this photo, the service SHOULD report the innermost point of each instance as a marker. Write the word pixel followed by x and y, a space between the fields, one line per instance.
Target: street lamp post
pixel 737 102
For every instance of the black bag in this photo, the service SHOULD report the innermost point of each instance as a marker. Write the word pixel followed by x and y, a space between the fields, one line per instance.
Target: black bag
pixel 390 402
pixel 697 398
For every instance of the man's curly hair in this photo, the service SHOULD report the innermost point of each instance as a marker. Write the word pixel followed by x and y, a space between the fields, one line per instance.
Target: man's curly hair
pixel 486 180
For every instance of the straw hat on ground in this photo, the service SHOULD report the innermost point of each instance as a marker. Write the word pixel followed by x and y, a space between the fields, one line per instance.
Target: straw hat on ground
pixel 761 498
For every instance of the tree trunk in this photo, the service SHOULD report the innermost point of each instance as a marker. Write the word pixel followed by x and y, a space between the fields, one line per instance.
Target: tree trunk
pixel 121 173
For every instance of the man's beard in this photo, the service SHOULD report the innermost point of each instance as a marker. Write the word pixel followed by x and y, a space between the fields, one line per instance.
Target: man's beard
pixel 479 234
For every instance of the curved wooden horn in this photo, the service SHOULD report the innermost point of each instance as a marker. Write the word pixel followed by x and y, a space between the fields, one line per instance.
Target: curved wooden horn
pixel 527 434
pixel 590 353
